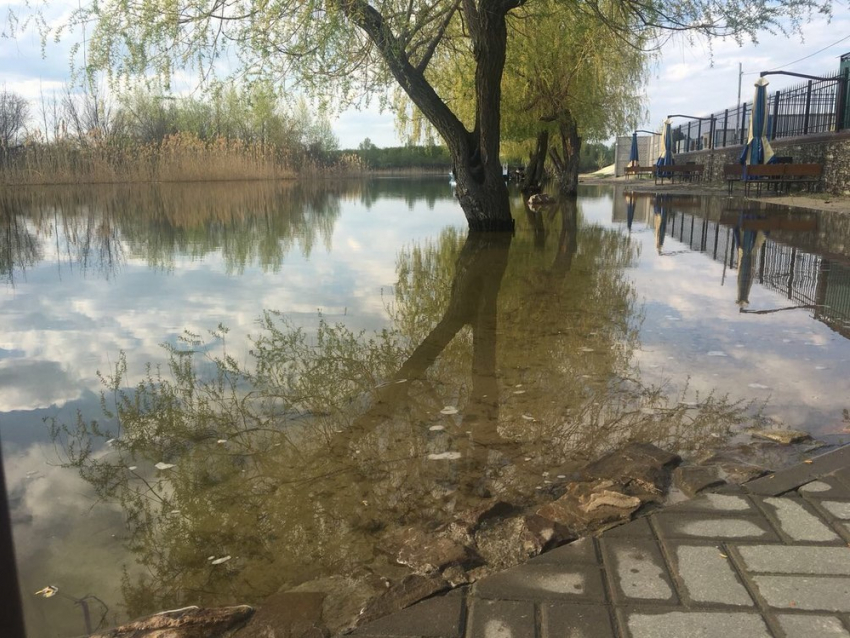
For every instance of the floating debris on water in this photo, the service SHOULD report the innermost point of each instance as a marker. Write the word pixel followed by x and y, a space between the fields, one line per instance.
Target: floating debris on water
pixel 717 353
pixel 444 456
pixel 219 561
pixel 528 417
pixel 221 441
pixel 132 468
pixel 759 386
pixel 163 466
pixel 48 591
pixel 437 428
pixel 449 409
pixel 519 391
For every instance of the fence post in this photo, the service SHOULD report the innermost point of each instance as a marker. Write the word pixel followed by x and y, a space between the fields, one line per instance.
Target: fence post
pixel 725 125
pixel 699 135
pixel 711 130
pixel 688 143
pixel 808 108
pixel 743 120
pixel 775 115
pixel 841 101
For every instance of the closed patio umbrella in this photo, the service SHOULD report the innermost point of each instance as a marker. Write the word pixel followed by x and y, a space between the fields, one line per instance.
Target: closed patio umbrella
pixel 630 210
pixel 666 156
pixel 748 242
pixel 660 214
pixel 634 158
pixel 758 150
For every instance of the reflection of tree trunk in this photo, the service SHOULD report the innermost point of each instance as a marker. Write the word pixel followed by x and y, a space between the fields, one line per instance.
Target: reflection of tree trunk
pixel 568 239
pixel 533 180
pixel 478 277
pixel 535 220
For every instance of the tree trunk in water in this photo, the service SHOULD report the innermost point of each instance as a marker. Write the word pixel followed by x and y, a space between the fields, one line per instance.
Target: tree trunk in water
pixel 481 188
pixel 567 161
pixel 532 183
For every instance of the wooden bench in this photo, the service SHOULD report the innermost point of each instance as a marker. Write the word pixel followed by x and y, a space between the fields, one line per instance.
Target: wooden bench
pixel 780 176
pixel 684 171
pixel 640 170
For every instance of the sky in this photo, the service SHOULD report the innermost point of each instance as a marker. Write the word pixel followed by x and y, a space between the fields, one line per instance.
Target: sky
pixel 694 78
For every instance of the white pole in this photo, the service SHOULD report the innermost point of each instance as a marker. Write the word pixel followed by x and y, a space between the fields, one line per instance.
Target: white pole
pixel 740 75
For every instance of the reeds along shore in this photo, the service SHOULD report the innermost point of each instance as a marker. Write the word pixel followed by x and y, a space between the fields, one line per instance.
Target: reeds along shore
pixel 181 157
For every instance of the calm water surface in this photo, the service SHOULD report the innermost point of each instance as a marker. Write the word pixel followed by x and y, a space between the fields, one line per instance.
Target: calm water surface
pixel 212 392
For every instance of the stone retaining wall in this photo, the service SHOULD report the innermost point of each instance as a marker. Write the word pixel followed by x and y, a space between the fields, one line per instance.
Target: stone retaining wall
pixel 830 149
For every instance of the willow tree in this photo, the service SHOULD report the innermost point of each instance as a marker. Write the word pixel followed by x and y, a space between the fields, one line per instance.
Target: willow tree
pixel 343 50
pixel 569 82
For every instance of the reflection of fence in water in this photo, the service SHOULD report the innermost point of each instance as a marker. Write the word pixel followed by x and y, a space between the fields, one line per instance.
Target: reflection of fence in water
pixel 801 277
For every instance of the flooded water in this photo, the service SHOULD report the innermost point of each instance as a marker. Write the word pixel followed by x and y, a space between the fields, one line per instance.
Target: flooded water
pixel 210 393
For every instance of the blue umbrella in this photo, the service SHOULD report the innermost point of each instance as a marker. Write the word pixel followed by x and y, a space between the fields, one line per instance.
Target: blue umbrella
pixel 630 210
pixel 748 242
pixel 634 159
pixel 666 157
pixel 758 150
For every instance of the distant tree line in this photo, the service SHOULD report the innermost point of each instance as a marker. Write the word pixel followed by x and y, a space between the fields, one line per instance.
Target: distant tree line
pixel 430 157
pixel 249 131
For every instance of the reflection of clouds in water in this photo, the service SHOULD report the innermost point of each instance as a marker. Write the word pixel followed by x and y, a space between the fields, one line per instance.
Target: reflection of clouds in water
pixel 31 384
pixel 80 558
pixel 762 349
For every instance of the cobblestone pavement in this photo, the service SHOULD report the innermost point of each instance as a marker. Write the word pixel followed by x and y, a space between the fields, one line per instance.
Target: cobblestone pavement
pixel 769 558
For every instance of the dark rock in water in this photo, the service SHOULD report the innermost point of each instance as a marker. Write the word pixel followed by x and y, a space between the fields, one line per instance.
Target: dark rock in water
pixel 639 467
pixel 189 622
pixel 506 542
pixel 428 552
pixel 344 598
pixel 692 479
pixel 492 508
pixel 410 590
pixel 288 615
pixel 738 473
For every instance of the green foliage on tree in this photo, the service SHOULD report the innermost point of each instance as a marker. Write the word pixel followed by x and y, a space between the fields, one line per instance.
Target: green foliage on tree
pixel 342 50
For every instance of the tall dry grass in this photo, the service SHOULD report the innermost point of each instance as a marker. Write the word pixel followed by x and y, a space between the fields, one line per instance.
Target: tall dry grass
pixel 182 157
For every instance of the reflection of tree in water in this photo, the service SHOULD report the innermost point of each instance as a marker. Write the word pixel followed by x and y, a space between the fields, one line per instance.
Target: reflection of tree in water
pixel 97 229
pixel 19 246
pixel 302 462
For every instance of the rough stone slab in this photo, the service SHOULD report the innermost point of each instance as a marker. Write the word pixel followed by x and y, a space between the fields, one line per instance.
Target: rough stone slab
pixel 638 528
pixel 435 618
pixel 793 477
pixel 692 479
pixel 799 559
pixel 501 619
pixel 637 570
pixel 541 581
pixel 708 575
pixel 575 621
pixel 816 593
pixel 733 504
pixel 696 624
pixel 800 524
pixel 839 509
pixel 808 626
pixel 581 551
pixel 676 525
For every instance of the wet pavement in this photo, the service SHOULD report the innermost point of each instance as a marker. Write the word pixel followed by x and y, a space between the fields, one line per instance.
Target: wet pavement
pixel 768 558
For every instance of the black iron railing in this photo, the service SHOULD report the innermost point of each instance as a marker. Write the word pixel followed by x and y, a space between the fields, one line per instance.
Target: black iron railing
pixel 814 106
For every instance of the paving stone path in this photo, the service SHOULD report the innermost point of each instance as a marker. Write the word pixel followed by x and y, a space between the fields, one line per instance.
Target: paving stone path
pixel 766 559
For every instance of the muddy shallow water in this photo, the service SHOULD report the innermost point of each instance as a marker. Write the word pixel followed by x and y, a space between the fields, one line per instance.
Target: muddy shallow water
pixel 355 364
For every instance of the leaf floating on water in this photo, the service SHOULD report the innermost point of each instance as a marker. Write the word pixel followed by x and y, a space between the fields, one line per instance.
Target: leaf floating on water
pixel 163 466
pixel 717 353
pixel 219 561
pixel 132 468
pixel 48 591
pixel 444 456
pixel 436 428
pixel 210 557
pixel 449 409
pixel 528 417
pixel 821 368
pixel 221 441
pixel 519 391
pixel 759 386
pixel 402 381
pixel 586 349
pixel 111 442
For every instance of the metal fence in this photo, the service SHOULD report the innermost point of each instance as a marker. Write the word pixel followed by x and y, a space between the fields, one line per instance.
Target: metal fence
pixel 814 106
